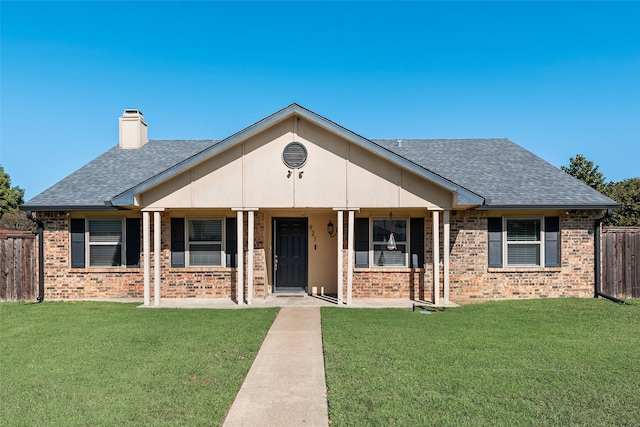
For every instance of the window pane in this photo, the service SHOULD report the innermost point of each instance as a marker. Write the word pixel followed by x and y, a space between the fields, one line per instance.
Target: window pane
pixel 527 254
pixel 105 255
pixel 382 228
pixel 384 257
pixel 105 231
pixel 523 230
pixel 210 254
pixel 379 231
pixel 205 230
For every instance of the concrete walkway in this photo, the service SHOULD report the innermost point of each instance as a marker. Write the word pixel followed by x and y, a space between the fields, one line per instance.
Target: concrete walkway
pixel 285 385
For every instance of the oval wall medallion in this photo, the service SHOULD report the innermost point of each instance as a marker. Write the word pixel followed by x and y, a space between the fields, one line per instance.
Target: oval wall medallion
pixel 294 155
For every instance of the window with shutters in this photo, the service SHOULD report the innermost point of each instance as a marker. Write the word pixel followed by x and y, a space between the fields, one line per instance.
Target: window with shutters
pixel 524 242
pixel 387 242
pixel 105 242
pixel 204 242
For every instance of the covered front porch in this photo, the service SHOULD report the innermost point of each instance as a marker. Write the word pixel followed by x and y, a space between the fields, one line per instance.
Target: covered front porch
pixel 324 259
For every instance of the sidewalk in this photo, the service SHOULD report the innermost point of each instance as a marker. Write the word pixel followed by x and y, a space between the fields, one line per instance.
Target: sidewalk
pixel 286 384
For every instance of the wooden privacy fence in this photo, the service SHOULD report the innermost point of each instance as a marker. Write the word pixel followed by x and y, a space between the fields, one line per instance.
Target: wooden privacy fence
pixel 17 266
pixel 620 266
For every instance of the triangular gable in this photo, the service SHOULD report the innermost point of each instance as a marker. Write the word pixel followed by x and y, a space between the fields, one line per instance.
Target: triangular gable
pixel 462 196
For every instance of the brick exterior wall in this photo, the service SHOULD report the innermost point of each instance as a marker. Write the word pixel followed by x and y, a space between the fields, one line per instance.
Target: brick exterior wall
pixel 470 277
pixel 64 282
pixel 472 280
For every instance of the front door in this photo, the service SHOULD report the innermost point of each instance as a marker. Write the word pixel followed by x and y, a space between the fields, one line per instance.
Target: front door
pixel 290 254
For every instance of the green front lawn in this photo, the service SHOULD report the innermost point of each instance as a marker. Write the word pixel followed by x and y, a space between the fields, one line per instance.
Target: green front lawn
pixel 85 363
pixel 540 362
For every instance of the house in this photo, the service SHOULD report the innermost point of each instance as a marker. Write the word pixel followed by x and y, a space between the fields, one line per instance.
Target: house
pixel 297 203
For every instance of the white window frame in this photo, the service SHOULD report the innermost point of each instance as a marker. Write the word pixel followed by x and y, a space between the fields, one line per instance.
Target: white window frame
pixel 188 242
pixel 372 261
pixel 89 244
pixel 506 243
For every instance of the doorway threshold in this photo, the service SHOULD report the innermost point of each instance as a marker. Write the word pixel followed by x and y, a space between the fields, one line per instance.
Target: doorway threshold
pixel 299 294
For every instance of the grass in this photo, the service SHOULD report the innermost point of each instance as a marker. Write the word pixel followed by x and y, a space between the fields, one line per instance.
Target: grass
pixel 539 362
pixel 86 363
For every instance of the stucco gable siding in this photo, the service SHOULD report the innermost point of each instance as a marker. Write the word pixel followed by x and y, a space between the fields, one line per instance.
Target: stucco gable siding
pixel 337 173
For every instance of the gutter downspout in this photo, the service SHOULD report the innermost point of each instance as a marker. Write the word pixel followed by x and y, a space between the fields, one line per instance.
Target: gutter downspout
pixel 40 256
pixel 598 292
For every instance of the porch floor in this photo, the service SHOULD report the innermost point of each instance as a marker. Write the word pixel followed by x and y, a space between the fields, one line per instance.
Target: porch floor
pixel 293 301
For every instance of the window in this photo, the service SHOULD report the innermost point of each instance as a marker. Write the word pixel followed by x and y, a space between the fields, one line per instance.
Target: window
pixel 524 242
pixel 373 247
pixel 105 242
pixel 205 242
pixel 389 240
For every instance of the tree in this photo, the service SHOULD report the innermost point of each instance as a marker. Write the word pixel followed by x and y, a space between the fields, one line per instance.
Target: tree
pixel 10 197
pixel 17 220
pixel 627 194
pixel 586 172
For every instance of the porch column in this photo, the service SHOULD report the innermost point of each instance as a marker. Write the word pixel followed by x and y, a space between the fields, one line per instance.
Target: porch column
pixel 240 281
pixel 436 257
pixel 157 249
pixel 445 256
pixel 350 230
pixel 146 253
pixel 340 237
pixel 250 250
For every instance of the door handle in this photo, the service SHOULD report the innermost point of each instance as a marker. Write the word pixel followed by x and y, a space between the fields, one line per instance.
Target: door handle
pixel 275 262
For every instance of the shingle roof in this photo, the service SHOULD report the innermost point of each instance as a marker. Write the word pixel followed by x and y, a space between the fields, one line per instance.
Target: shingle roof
pixel 113 172
pixel 500 171
pixel 504 173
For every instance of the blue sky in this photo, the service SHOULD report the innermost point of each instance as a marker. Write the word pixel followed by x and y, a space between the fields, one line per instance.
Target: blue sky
pixel 559 78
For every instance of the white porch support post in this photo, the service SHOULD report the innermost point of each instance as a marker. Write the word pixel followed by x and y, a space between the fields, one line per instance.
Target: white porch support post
pixel 146 251
pixel 350 230
pixel 436 257
pixel 340 236
pixel 157 249
pixel 445 256
pixel 240 281
pixel 250 263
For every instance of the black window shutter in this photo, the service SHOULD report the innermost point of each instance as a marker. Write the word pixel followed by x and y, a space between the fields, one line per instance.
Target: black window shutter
pixel 417 242
pixel 177 242
pixel 552 241
pixel 495 242
pixel 132 250
pixel 231 245
pixel 361 243
pixel 77 243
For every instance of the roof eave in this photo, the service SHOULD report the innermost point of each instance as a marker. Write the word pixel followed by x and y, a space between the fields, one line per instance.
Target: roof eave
pixel 50 208
pixel 548 207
